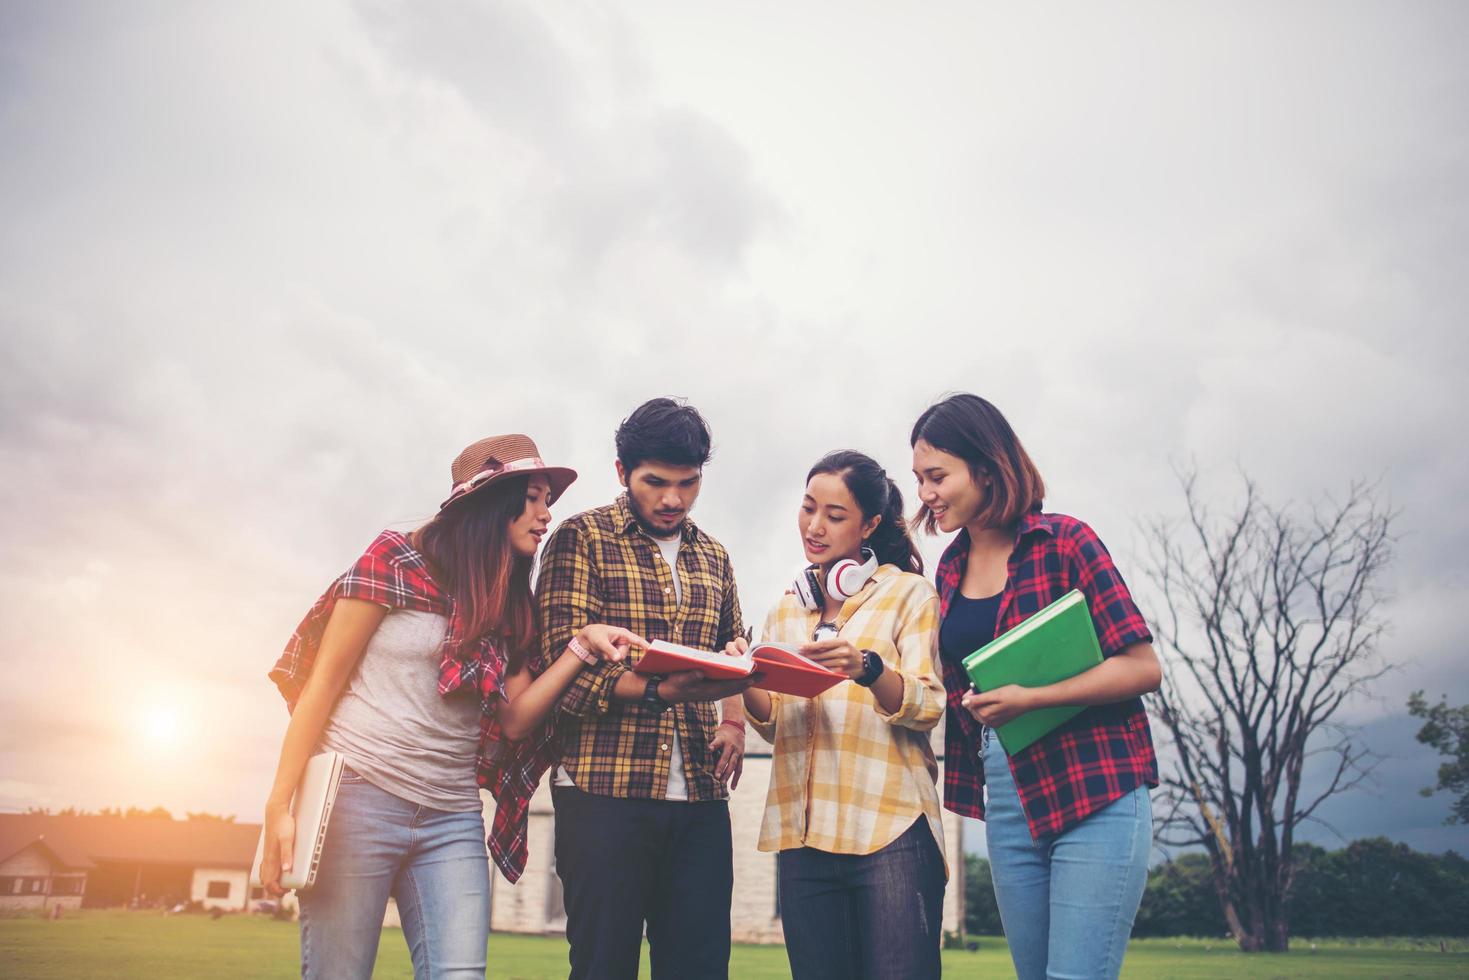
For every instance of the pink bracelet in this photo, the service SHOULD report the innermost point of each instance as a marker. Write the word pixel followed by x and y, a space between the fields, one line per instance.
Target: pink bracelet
pixel 733 724
pixel 582 653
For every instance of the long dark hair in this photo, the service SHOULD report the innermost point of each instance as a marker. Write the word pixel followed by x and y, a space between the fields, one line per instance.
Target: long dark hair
pixel 971 428
pixel 876 494
pixel 467 545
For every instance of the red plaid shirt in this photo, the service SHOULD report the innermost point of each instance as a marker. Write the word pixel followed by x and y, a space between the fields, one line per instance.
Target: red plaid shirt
pixel 1102 754
pixel 392 573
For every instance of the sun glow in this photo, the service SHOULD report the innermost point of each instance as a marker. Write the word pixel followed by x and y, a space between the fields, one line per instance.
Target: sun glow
pixel 162 726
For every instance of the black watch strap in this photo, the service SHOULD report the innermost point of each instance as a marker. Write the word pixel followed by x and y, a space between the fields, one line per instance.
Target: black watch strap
pixel 872 668
pixel 652 699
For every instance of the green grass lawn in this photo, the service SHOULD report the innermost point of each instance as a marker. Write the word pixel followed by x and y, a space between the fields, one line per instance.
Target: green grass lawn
pixel 150 946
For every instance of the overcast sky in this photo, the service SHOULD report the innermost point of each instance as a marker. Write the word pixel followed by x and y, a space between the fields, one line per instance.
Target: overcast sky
pixel 266 268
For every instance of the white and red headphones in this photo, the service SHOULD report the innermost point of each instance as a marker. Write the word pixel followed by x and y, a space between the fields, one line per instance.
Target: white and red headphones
pixel 845 580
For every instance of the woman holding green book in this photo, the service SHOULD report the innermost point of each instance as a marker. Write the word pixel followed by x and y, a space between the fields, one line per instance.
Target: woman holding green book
pixel 1068 819
pixel 853 809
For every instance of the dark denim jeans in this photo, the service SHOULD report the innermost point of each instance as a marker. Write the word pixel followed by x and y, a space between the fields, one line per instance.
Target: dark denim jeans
pixel 626 862
pixel 875 916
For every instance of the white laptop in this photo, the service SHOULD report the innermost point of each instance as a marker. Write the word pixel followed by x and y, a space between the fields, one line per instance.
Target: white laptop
pixel 312 808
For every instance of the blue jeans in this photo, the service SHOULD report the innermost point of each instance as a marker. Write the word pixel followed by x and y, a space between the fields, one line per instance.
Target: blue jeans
pixel 432 862
pixel 1067 901
pixel 872 916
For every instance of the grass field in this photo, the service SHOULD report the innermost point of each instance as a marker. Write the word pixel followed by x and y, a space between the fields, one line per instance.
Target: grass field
pixel 150 946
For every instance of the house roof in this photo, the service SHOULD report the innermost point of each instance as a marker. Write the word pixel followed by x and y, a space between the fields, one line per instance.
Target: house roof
pixel 83 841
pixel 61 855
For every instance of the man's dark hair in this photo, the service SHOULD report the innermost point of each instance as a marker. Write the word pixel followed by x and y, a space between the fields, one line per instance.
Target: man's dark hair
pixel 665 431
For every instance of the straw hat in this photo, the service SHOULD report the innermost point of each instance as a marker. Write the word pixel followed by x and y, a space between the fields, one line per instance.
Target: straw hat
pixel 492 459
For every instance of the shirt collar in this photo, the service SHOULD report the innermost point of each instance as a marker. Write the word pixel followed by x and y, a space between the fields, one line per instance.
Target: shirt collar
pixel 627 523
pixel 1034 522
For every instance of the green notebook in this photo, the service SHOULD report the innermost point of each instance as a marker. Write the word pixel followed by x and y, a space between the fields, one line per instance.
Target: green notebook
pixel 1056 643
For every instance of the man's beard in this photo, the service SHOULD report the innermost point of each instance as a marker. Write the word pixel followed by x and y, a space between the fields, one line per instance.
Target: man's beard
pixel 649 528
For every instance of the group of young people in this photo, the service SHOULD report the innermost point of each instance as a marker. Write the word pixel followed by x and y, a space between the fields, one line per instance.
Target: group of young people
pixel 435 668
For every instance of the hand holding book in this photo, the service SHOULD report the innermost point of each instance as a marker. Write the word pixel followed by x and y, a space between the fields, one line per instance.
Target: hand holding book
pixel 836 655
pixel 1012 672
pixel 1003 704
pixel 770 666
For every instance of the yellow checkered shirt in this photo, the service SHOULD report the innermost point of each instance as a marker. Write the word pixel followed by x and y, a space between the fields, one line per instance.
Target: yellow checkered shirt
pixel 847 778
pixel 600 567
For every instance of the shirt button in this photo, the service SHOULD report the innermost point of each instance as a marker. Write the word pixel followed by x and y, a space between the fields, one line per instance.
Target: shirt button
pixel 666 591
pixel 663 747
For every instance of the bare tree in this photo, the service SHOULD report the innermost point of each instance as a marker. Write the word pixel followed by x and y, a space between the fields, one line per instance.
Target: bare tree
pixel 1270 623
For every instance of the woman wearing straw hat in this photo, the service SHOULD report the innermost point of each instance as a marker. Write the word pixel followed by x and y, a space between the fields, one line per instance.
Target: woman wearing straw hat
pixel 413 667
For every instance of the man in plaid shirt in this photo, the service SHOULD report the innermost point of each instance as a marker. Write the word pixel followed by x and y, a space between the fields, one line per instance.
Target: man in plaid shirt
pixel 642 813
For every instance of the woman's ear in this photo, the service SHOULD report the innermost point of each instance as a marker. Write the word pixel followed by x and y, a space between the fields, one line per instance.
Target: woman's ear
pixel 871 526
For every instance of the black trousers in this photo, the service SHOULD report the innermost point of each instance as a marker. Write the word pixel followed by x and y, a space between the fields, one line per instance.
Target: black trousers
pixel 624 863
pixel 872 916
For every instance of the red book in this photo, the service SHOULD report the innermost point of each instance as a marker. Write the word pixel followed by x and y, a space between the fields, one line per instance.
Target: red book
pixel 784 670
pixel 662 657
pixel 781 667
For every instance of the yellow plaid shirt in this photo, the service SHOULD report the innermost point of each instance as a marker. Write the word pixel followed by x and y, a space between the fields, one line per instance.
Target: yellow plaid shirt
pixel 846 777
pixel 601 567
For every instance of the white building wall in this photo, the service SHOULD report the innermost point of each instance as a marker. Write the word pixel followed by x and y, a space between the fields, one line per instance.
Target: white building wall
pixel 752 916
pixel 34 861
pixel 238 880
pixel 533 904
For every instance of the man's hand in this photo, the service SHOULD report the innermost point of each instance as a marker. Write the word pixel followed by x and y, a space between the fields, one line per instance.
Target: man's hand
pixel 692 685
pixel 1003 704
pixel 729 744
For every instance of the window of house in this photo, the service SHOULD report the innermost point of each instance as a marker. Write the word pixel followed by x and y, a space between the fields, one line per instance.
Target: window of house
pixel 219 889
pixel 22 886
pixel 68 885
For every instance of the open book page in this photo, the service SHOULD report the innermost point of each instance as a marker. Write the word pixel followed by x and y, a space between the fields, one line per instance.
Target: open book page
pixel 783 653
pixel 662 657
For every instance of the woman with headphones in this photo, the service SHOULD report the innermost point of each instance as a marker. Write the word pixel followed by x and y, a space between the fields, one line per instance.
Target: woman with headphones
pixel 852 809
pixel 1068 819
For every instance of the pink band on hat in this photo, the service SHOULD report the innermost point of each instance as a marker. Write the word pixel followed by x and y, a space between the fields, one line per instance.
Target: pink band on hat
pixel 530 463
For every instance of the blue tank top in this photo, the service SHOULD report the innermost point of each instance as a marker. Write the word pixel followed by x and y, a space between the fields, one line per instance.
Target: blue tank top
pixel 969 625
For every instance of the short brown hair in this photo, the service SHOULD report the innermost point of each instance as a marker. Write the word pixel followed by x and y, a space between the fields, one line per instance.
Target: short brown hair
pixel 971 428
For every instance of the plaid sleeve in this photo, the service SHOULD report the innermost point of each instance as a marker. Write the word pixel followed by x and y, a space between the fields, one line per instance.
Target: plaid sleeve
pixel 381 576
pixel 916 640
pixel 569 594
pixel 731 621
pixel 1118 621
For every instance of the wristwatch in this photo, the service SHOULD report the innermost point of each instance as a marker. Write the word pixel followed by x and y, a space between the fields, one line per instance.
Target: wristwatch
pixel 652 700
pixel 872 668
